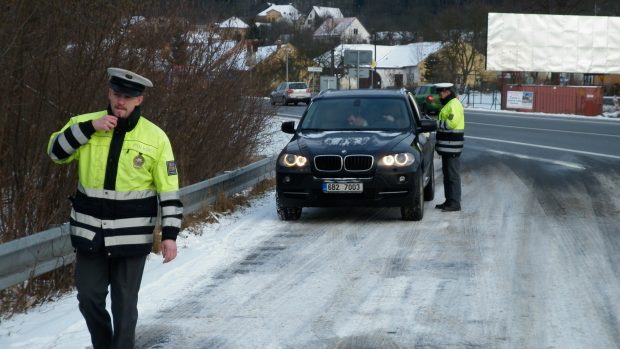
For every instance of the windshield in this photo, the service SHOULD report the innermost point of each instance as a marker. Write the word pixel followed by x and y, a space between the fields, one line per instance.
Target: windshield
pixel 298 85
pixel 357 113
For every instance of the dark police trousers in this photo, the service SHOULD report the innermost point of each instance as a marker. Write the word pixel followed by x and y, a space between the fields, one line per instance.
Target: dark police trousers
pixel 93 274
pixel 451 168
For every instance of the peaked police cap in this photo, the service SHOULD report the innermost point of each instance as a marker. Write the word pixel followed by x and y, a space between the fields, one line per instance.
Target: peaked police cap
pixel 127 82
pixel 444 86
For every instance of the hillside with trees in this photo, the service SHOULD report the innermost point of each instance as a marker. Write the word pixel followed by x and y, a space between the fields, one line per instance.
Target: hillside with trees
pixel 418 16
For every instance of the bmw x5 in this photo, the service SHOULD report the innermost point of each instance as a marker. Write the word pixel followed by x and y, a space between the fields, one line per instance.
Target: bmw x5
pixel 358 148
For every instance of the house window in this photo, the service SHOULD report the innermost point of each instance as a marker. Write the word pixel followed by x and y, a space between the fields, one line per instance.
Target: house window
pixel 355 31
pixel 398 80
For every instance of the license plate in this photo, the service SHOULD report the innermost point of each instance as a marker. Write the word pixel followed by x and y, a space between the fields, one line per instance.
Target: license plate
pixel 342 187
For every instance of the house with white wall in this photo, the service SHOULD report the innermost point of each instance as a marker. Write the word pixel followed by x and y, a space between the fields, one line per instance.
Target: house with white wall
pixel 277 13
pixel 395 66
pixel 319 14
pixel 233 27
pixel 346 30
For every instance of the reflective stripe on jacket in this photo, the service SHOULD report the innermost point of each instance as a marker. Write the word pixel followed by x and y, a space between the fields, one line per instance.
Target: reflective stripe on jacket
pixel 451 128
pixel 123 175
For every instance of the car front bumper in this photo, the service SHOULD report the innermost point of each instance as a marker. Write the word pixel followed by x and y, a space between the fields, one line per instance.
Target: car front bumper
pixel 392 189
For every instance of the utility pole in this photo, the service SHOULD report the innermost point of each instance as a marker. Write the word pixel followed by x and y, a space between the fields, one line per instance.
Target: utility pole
pixel 358 69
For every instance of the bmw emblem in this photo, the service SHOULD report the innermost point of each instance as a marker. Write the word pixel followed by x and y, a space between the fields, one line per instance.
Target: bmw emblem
pixel 343 151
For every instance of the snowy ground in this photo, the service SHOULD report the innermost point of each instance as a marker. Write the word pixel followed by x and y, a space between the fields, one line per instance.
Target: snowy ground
pixel 60 325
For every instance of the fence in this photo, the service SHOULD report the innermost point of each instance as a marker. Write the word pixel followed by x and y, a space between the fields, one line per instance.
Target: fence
pixel 45 251
pixel 481 100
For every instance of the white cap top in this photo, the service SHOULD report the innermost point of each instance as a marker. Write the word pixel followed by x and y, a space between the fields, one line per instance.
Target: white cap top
pixel 129 76
pixel 127 82
pixel 444 85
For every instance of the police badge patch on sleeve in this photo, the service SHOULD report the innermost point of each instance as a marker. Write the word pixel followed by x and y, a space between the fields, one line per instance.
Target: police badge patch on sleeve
pixel 172 168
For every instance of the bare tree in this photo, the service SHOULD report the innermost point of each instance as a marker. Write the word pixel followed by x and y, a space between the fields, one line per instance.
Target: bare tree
pixel 463 38
pixel 52 66
pixel 53 59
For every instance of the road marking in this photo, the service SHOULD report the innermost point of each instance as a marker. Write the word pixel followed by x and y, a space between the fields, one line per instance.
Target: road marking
pixel 289 115
pixel 547 147
pixel 535 158
pixel 546 129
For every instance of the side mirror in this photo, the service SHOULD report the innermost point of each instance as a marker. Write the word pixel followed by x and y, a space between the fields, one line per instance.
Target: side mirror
pixel 289 127
pixel 428 125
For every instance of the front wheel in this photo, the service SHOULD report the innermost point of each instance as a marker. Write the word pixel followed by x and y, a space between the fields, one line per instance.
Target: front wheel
pixel 287 213
pixel 415 212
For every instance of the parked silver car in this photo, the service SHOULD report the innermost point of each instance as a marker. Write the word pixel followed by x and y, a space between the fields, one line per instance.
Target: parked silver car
pixel 291 92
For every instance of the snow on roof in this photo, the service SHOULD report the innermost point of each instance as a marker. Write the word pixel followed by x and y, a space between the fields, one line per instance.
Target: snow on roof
pixel 201 37
pixel 408 55
pixel 334 26
pixel 288 12
pixel 395 35
pixel 234 22
pixel 398 56
pixel 325 12
pixel 264 52
pixel 240 60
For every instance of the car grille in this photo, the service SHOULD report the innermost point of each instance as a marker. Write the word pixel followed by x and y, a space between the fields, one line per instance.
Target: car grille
pixel 328 163
pixel 357 163
pixel 352 163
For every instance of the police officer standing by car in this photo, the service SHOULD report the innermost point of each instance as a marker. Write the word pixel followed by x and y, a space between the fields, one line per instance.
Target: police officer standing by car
pixel 126 172
pixel 450 139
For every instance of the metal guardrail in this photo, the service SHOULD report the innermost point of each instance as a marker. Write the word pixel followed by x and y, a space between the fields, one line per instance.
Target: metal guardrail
pixel 48 250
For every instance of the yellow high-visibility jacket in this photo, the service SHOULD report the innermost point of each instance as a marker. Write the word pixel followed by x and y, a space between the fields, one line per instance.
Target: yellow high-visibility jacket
pixel 122 176
pixel 451 128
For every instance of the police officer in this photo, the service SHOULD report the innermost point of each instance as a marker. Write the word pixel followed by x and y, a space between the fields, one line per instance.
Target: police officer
pixel 450 139
pixel 127 173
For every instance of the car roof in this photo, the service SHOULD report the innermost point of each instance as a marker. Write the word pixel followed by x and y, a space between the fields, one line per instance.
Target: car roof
pixel 328 94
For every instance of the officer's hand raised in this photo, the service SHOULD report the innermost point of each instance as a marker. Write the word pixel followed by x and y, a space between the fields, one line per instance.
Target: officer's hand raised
pixel 105 123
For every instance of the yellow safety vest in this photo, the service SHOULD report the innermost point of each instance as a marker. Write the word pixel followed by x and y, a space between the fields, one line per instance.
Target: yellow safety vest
pixel 451 130
pixel 123 176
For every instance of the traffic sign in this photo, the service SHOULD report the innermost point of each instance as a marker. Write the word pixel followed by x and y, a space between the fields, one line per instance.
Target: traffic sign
pixel 315 69
pixel 363 73
pixel 355 57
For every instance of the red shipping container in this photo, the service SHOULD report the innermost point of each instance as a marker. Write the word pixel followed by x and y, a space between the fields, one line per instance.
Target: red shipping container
pixel 579 100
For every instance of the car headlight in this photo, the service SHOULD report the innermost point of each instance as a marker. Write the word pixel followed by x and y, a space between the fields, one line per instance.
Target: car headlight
pixel 292 160
pixel 397 160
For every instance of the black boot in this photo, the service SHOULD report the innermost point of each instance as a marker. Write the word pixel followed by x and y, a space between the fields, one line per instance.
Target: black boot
pixel 451 206
pixel 442 205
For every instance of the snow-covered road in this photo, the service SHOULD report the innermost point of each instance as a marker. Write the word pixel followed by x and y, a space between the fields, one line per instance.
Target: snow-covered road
pixel 531 262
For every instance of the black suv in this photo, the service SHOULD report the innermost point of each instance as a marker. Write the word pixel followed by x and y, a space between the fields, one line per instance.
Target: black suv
pixel 358 148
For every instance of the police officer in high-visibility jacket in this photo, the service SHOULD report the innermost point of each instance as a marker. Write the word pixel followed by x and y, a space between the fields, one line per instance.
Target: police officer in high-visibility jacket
pixel 450 139
pixel 127 171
